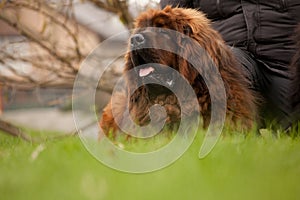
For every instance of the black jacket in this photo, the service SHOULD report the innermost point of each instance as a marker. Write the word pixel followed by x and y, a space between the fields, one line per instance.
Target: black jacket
pixel 264 28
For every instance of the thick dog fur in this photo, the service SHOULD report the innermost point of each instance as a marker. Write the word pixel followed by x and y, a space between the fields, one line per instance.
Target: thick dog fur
pixel 241 103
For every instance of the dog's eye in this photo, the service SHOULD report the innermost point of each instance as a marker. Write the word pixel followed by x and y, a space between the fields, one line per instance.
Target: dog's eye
pixel 134 99
pixel 187 30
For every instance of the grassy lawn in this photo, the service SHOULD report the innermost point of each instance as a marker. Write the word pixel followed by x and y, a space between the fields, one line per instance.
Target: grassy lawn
pixel 238 168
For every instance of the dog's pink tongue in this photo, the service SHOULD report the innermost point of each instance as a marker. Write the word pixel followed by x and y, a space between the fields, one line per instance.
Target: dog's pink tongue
pixel 146 71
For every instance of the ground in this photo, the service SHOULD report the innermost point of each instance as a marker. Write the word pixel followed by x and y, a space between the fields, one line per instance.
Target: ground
pixel 239 167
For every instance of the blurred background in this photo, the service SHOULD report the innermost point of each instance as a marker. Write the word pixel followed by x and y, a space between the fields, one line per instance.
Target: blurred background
pixel 43 43
pixel 42 46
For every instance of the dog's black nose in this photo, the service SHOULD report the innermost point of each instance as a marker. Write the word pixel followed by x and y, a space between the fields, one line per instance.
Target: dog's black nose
pixel 137 40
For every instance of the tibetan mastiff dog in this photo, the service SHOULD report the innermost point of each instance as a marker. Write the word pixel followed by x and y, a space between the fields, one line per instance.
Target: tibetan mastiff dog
pixel 241 105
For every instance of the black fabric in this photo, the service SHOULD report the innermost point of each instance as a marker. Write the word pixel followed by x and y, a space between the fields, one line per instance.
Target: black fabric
pixel 275 108
pixel 263 30
pixel 295 98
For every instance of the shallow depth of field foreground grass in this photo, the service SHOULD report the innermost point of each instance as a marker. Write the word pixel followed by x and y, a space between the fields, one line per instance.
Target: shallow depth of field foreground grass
pixel 238 168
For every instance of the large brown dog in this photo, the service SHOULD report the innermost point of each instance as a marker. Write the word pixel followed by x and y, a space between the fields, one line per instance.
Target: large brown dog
pixel 241 106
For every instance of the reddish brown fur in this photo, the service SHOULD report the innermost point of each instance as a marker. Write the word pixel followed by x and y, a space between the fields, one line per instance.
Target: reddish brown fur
pixel 241 108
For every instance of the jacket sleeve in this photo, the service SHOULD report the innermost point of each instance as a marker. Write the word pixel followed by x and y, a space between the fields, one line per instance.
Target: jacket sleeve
pixel 179 3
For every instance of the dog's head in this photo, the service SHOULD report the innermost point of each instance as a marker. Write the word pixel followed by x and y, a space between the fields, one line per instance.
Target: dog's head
pixel 161 36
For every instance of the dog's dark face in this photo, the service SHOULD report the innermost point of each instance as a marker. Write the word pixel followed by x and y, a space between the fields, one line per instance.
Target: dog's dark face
pixel 149 59
pixel 153 64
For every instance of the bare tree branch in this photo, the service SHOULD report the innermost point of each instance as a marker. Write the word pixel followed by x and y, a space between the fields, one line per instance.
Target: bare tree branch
pixel 119 7
pixel 25 33
pixel 13 130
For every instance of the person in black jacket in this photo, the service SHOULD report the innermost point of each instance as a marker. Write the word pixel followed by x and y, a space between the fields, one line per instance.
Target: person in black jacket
pixel 262 33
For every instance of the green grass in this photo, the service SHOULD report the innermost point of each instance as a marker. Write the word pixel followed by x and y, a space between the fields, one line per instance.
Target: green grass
pixel 238 168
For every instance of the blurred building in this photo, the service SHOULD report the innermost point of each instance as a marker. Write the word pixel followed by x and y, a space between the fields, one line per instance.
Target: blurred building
pixel 15 44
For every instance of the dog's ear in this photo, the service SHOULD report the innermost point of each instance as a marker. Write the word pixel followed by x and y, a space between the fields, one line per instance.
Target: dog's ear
pixel 188 71
pixel 189 55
